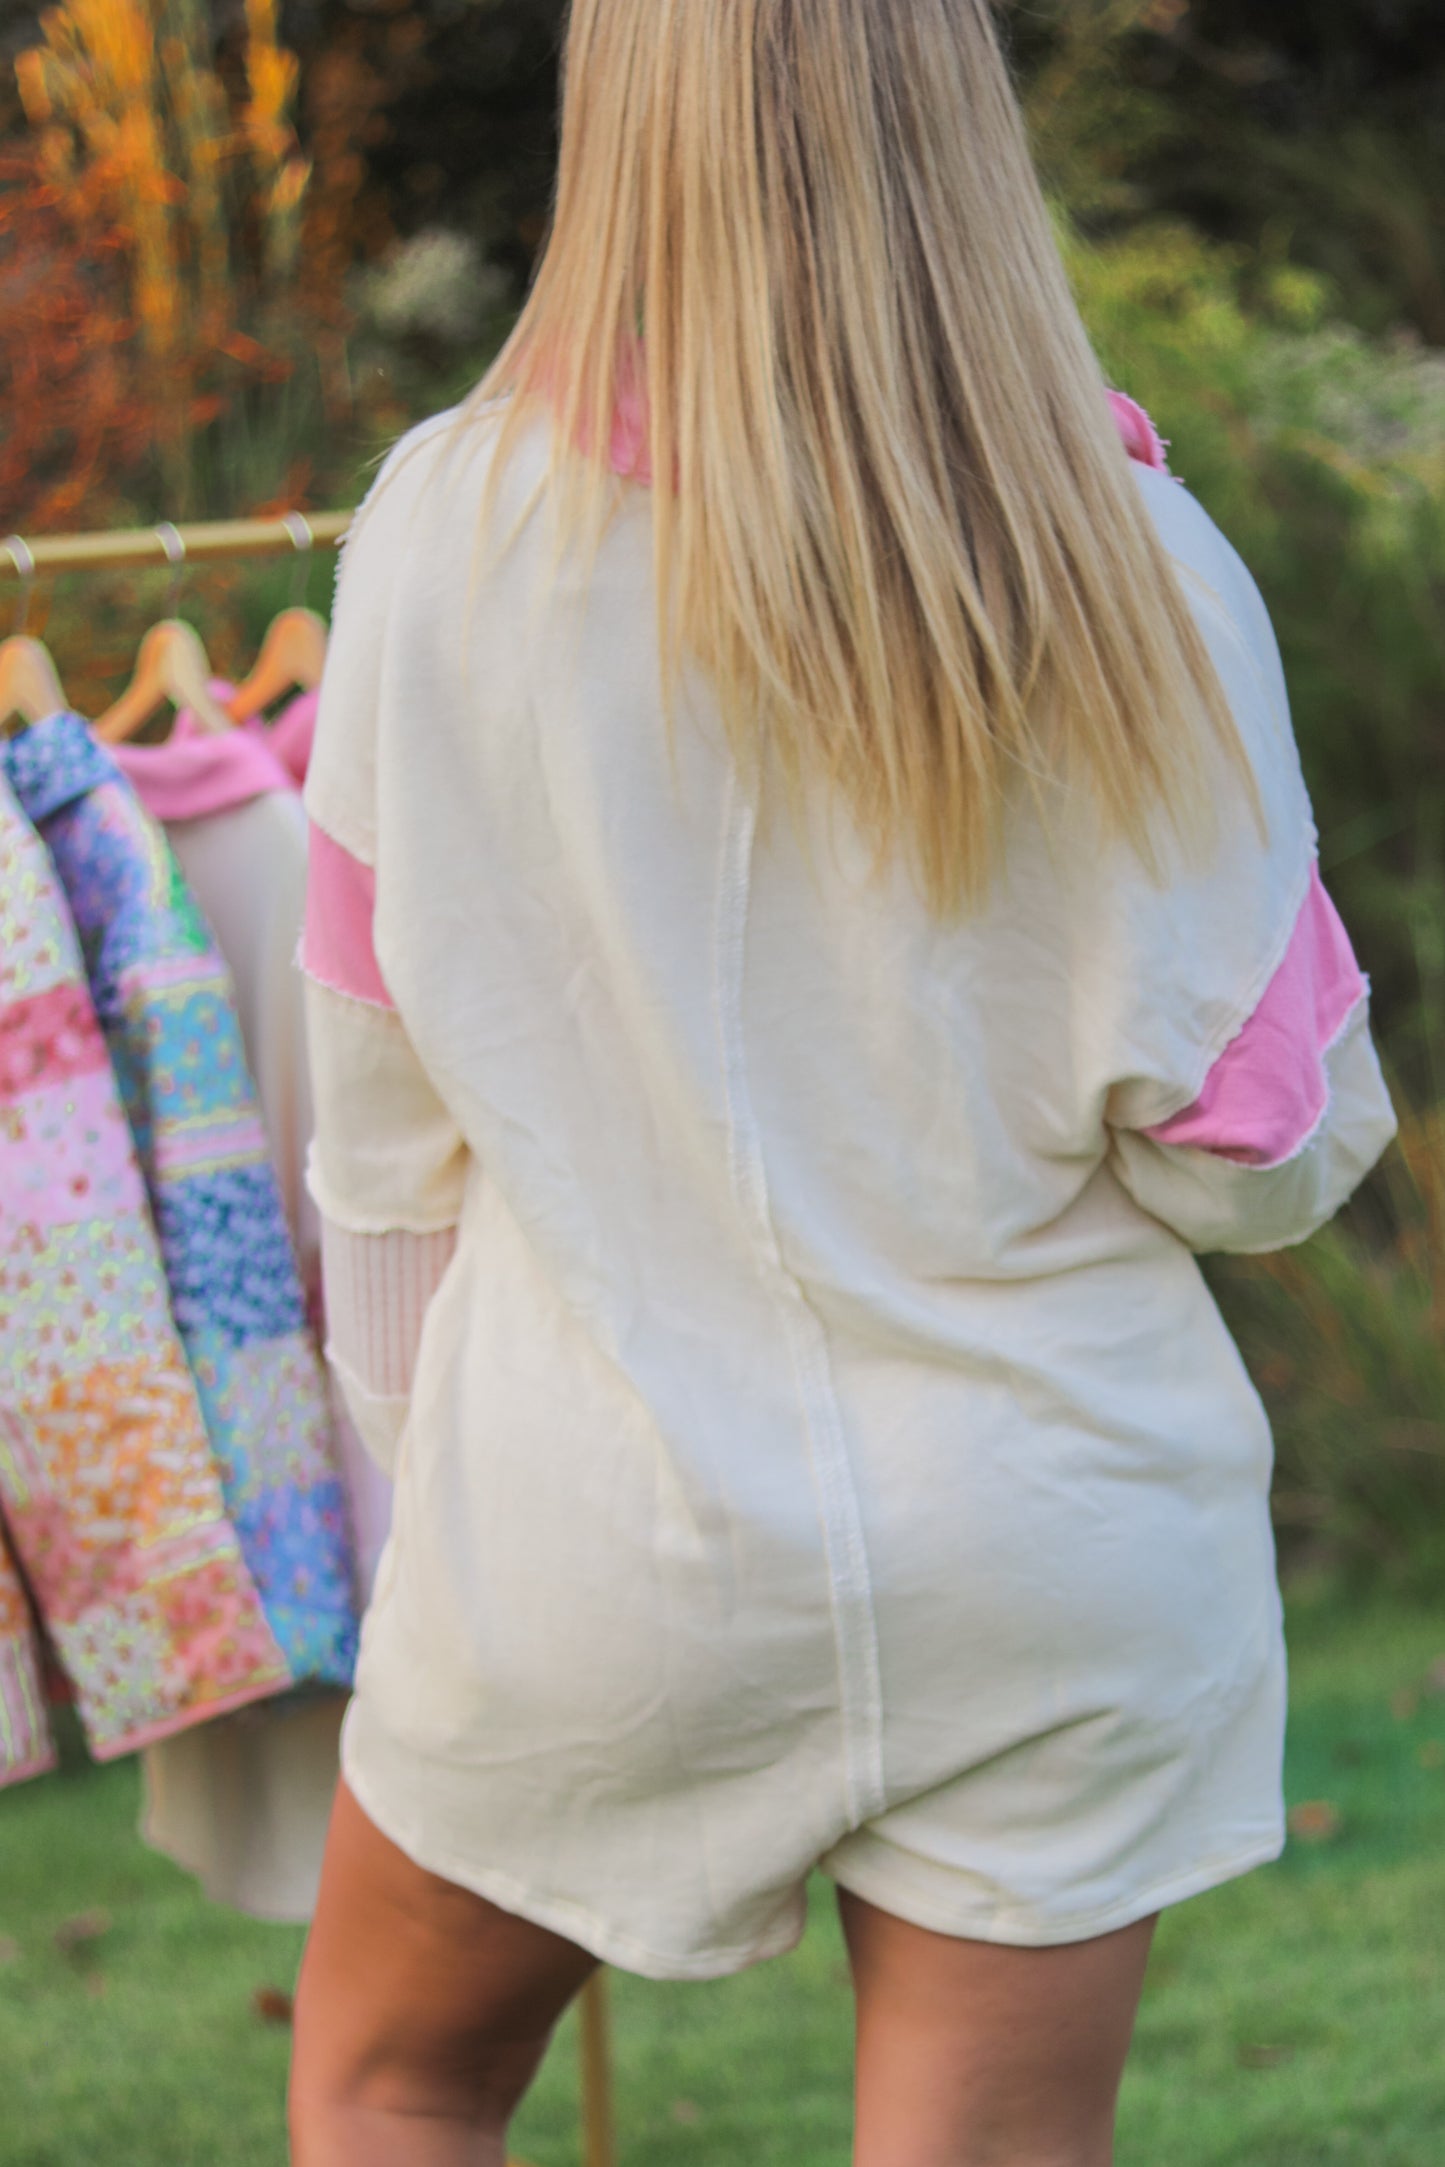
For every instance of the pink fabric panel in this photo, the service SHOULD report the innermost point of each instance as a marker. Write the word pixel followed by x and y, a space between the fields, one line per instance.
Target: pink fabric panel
pixel 1266 1094
pixel 1142 440
pixel 195 772
pixel 336 947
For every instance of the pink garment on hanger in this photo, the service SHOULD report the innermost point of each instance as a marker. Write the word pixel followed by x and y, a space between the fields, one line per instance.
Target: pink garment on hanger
pixel 292 734
pixel 195 772
pixel 244 1807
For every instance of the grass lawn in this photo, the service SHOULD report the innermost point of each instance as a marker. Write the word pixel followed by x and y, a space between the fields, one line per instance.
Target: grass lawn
pixel 1293 2019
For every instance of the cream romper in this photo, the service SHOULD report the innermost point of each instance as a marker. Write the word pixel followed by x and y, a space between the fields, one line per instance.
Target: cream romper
pixel 815 1442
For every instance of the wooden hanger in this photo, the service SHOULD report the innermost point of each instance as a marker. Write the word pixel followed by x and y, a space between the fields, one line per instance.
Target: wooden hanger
pixel 292 656
pixel 30 686
pixel 170 665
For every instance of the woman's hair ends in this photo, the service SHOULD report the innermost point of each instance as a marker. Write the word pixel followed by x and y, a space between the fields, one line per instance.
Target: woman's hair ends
pixel 804 240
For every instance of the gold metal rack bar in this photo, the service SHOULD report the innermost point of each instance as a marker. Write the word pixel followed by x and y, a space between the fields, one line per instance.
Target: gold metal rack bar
pixel 173 546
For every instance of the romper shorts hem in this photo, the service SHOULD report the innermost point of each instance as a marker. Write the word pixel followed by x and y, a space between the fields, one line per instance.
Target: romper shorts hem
pixel 926 1895
pixel 881 1873
pixel 561 1915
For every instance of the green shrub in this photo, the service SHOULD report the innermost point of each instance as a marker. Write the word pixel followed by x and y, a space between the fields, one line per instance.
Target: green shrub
pixel 1345 1337
pixel 1322 455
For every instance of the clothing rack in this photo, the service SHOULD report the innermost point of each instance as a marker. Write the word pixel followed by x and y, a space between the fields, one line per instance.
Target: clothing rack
pixel 167 544
pixel 171 546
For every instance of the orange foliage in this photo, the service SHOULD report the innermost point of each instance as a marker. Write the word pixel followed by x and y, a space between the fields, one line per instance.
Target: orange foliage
pixel 151 244
pixel 72 420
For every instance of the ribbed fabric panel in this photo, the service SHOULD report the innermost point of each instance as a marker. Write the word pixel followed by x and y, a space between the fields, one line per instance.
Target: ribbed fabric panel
pixel 378 1287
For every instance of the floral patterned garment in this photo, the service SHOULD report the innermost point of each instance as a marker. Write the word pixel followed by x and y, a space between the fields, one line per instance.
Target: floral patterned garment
pixel 26 1748
pixel 165 1004
pixel 109 1492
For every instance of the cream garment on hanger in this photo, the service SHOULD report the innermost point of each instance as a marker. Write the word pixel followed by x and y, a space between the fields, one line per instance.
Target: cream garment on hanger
pixel 245 1806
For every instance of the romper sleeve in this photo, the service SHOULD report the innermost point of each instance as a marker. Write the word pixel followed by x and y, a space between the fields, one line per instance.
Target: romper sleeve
pixel 1242 1096
pixel 1291 1117
pixel 388 1163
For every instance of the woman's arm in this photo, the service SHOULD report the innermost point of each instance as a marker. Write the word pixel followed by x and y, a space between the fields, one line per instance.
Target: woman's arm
pixel 388 1165
pixel 1291 1117
pixel 1215 1202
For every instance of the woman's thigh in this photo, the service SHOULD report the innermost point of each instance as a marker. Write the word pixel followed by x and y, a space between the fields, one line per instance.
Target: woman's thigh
pixel 973 2055
pixel 418 1998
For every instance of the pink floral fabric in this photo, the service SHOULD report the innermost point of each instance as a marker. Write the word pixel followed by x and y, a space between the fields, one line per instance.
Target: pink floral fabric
pixel 110 1499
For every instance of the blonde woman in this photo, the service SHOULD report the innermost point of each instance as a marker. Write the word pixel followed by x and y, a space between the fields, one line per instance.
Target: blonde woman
pixel 814 924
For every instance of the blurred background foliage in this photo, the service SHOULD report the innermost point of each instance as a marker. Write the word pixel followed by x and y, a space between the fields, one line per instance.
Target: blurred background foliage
pixel 243 244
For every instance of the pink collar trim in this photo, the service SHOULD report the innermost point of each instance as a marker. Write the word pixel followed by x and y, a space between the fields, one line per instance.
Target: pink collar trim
pixel 194 773
pixel 1142 441
pixel 630 458
pixel 291 736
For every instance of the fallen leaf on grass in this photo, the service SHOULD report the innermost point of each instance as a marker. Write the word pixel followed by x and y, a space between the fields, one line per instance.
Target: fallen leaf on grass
pixel 1435 1677
pixel 75 1937
pixel 1262 2057
pixel 1405 1703
pixel 10 1951
pixel 1317 1821
pixel 271 2005
pixel 1432 1753
pixel 686 2111
pixel 96 1986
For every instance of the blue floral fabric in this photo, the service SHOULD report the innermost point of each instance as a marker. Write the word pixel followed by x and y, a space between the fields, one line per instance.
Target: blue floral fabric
pixel 224 1234
pixel 164 1000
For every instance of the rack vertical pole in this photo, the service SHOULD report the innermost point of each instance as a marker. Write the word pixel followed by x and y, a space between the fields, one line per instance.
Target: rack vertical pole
pixel 599 2141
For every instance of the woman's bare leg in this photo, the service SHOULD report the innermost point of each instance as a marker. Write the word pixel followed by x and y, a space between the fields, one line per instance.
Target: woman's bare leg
pixel 421 2015
pixel 970 2055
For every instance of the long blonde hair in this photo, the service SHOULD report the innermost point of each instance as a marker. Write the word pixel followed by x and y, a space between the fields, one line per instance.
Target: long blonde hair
pixel 893 520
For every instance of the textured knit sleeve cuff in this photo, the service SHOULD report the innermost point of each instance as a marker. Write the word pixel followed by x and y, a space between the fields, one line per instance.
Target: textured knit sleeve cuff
pixel 377 1419
pixel 378 1289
